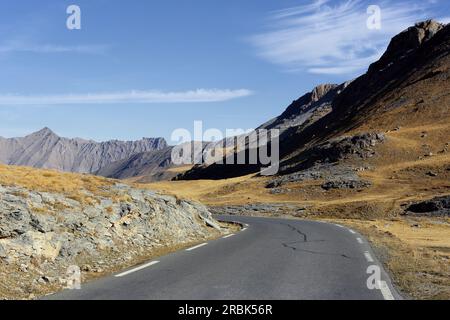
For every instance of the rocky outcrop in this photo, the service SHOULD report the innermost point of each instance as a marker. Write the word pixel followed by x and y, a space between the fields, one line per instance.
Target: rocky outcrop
pixel 45 149
pixel 437 207
pixel 311 106
pixel 361 146
pixel 331 176
pixel 47 232
pixel 346 184
pixel 406 42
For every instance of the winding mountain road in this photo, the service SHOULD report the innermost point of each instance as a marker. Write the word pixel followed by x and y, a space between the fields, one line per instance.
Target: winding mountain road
pixel 269 259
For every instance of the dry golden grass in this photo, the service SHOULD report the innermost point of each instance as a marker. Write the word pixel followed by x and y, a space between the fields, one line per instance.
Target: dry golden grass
pixel 121 198
pixel 70 184
pixel 180 169
pixel 239 190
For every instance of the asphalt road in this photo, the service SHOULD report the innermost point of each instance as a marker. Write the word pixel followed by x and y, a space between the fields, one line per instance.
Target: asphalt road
pixel 270 259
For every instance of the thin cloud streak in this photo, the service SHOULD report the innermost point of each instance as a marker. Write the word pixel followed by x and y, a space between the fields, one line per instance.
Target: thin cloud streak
pixel 322 38
pixel 139 97
pixel 51 48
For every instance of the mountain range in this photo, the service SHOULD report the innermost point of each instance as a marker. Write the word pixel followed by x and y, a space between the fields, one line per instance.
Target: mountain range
pixel 45 149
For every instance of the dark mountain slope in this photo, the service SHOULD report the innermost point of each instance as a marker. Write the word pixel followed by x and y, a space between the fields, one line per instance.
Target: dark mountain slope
pixel 409 84
pixel 150 164
pixel 405 87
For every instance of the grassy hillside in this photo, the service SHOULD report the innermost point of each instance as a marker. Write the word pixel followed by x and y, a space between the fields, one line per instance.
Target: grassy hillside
pixel 71 185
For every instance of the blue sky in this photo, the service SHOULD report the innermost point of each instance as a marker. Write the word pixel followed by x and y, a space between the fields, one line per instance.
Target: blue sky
pixel 144 68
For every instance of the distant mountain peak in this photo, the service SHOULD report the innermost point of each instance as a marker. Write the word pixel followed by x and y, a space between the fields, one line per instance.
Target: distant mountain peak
pixel 43 134
pixel 44 131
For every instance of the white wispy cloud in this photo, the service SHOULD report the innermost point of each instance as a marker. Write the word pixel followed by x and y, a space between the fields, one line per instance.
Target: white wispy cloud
pixel 198 95
pixel 332 38
pixel 17 46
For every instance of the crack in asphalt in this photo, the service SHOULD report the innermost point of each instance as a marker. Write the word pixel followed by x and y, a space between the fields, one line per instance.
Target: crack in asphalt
pixel 289 245
pixel 305 237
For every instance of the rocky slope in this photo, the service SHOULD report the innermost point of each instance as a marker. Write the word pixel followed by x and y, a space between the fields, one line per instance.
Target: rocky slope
pixel 151 165
pixel 308 108
pixel 45 149
pixel 44 233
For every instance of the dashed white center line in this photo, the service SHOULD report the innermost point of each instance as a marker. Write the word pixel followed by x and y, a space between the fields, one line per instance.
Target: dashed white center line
pixel 359 240
pixel 368 256
pixel 228 236
pixel 385 291
pixel 351 231
pixel 244 229
pixel 196 247
pixel 136 269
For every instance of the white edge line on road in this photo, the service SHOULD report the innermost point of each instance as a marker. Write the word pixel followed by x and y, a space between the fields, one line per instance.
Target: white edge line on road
pixel 382 285
pixel 385 291
pixel 228 236
pixel 368 257
pixel 136 269
pixel 244 229
pixel 196 247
